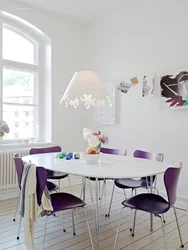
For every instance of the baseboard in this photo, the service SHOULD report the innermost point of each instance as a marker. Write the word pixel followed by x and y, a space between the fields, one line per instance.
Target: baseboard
pixel 9 194
pixel 13 193
pixel 181 202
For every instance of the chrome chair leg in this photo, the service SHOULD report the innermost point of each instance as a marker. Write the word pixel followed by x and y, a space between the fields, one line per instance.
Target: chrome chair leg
pixel 59 183
pixel 45 225
pixel 64 229
pixel 17 206
pixel 84 188
pixel 88 228
pixel 134 222
pixel 164 234
pixel 178 226
pixel 120 218
pixel 101 199
pixel 124 194
pixel 131 213
pixel 163 218
pixel 73 225
pixel 102 194
pixel 99 190
pixel 105 197
pixel 111 200
pixel 155 188
pixel 70 184
pixel 19 227
pixel 91 193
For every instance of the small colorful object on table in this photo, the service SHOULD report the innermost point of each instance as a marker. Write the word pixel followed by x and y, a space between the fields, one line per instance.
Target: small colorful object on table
pixel 69 156
pixel 4 128
pixel 64 155
pixel 95 139
pixel 61 155
pixel 76 156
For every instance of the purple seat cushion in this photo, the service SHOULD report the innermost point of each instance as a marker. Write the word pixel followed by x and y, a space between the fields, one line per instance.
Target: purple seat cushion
pixel 130 183
pixel 148 202
pixel 51 186
pixel 55 175
pixel 64 201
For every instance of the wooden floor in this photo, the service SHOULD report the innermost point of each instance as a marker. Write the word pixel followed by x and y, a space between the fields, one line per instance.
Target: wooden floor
pixel 56 239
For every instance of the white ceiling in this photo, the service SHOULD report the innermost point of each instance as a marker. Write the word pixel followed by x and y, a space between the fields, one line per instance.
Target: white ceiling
pixel 75 9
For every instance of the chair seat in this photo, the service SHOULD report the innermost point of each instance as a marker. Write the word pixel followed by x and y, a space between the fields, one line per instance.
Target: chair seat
pixel 147 202
pixel 130 183
pixel 55 175
pixel 51 186
pixel 64 201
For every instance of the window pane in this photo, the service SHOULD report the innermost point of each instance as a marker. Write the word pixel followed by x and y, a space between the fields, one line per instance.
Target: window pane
pixel 18 87
pixel 22 121
pixel 17 48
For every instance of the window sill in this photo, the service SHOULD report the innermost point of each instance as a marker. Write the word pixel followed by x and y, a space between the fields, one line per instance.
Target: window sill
pixel 7 145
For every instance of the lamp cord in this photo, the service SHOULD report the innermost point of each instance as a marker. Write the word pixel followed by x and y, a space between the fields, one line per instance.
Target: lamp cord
pixel 85 36
pixel 19 8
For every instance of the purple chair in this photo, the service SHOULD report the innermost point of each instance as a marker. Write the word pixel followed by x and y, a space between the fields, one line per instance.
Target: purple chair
pixel 156 204
pixel 143 182
pixel 122 152
pixel 19 171
pixel 60 201
pixel 53 175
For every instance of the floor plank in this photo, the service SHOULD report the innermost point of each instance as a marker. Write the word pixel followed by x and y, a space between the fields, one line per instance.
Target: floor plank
pixel 56 239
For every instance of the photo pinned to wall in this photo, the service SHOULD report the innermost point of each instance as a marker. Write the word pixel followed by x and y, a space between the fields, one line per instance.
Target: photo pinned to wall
pixel 131 86
pixel 148 86
pixel 174 88
pixel 107 114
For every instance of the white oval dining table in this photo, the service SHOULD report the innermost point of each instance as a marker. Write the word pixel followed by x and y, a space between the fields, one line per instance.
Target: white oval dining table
pixel 109 166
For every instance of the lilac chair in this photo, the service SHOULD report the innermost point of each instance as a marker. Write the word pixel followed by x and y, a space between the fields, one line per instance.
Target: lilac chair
pixel 122 152
pixel 53 175
pixel 19 171
pixel 60 201
pixel 143 182
pixel 18 163
pixel 156 204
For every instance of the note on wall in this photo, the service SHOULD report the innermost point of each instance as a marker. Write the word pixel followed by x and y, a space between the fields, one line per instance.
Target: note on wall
pixel 138 86
pixel 106 114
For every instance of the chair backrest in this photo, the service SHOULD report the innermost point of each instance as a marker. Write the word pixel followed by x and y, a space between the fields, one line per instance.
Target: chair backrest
pixel 122 152
pixel 148 155
pixel 171 178
pixel 19 168
pixel 54 149
pixel 41 182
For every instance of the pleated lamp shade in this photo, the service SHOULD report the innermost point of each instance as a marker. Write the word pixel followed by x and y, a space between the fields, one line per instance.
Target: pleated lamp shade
pixel 87 89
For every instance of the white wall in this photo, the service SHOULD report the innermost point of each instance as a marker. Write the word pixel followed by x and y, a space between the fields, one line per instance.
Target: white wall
pixel 146 36
pixel 67 40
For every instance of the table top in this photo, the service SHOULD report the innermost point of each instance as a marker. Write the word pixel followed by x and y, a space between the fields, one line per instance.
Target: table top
pixel 109 166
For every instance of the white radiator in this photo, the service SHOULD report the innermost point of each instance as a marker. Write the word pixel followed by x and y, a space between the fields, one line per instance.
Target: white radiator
pixel 8 177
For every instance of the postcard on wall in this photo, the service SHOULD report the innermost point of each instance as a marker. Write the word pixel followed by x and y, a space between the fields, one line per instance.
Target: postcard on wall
pixel 131 86
pixel 148 86
pixel 174 88
pixel 106 114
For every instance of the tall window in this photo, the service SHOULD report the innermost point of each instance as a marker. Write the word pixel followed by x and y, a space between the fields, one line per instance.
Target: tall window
pixel 22 67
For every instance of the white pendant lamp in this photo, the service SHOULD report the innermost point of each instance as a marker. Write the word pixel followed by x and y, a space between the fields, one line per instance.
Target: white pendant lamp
pixel 85 87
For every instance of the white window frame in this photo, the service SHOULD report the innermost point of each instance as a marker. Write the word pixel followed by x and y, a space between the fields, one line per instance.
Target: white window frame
pixel 38 68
